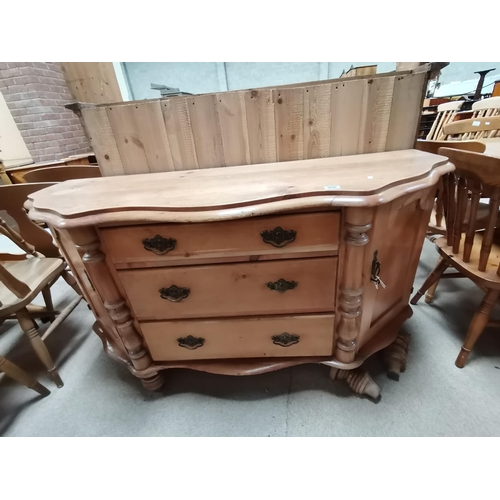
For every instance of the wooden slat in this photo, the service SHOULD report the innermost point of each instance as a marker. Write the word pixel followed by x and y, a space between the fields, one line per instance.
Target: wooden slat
pixel 377 110
pixel 261 126
pixel 103 141
pixel 128 139
pixel 405 111
pixel 346 114
pixel 289 116
pixel 92 81
pixel 317 121
pixel 179 132
pixel 206 131
pixel 153 135
pixel 472 125
pixel 233 122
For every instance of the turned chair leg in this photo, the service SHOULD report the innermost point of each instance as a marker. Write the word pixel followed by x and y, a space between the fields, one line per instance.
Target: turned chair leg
pixel 437 272
pixel 439 208
pixel 429 296
pixel 38 345
pixel 478 324
pixel 71 281
pixel 14 372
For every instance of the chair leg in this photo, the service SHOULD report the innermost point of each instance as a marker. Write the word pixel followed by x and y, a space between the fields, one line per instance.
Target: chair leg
pixel 438 271
pixel 439 208
pixel 38 345
pixel 47 298
pixel 478 324
pixel 14 372
pixel 71 281
pixel 429 296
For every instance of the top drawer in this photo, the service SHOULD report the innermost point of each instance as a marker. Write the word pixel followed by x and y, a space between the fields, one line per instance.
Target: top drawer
pixel 244 239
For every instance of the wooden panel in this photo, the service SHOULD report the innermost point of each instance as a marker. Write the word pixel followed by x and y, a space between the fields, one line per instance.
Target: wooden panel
pixel 289 112
pixel 405 111
pixel 92 81
pixel 128 139
pixel 150 126
pixel 103 141
pixel 261 126
pixel 179 132
pixel 335 118
pixel 375 123
pixel 346 115
pixel 233 289
pixel 317 121
pixel 206 131
pixel 240 338
pixel 233 121
pixel 237 238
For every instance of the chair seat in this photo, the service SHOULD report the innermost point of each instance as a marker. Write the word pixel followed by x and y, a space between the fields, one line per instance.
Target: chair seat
pixel 489 277
pixel 35 272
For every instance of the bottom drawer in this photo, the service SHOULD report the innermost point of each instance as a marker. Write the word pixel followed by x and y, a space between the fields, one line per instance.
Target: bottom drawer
pixel 240 338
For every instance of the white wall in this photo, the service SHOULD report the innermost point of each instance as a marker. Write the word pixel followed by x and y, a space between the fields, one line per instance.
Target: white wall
pixel 203 77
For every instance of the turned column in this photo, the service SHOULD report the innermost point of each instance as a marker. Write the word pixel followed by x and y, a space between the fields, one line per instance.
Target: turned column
pixel 357 223
pixel 88 245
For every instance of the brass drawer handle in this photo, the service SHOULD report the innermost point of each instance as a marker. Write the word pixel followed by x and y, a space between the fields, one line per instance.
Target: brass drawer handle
pixel 190 342
pixel 282 285
pixel 278 237
pixel 285 339
pixel 174 293
pixel 159 245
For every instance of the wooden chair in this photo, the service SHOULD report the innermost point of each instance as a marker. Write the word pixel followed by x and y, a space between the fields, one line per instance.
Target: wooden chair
pixel 12 199
pixel 472 253
pixel 473 128
pixel 63 173
pixel 485 108
pixel 446 114
pixel 433 147
pixel 23 277
pixel 14 372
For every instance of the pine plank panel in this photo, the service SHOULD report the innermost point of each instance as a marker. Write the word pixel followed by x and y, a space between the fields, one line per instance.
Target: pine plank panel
pixel 261 126
pixel 289 116
pixel 376 115
pixel 317 121
pixel 179 133
pixel 405 111
pixel 346 114
pixel 206 130
pixel 128 139
pixel 234 130
pixel 103 141
pixel 153 135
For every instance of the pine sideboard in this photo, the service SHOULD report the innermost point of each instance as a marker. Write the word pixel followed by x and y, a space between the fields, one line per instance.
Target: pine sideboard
pixel 248 269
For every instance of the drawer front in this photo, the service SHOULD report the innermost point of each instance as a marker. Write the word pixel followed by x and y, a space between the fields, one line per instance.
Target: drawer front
pixel 247 289
pixel 135 246
pixel 240 338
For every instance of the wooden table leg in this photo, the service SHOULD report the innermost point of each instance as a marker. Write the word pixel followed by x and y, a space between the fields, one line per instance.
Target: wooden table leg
pixel 358 380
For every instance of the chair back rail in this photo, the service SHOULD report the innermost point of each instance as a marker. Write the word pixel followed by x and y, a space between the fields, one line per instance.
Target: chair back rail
pixel 62 173
pixel 476 175
pixel 471 128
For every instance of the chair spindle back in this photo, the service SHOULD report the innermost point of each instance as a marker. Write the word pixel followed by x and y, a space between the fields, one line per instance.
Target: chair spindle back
pixel 476 176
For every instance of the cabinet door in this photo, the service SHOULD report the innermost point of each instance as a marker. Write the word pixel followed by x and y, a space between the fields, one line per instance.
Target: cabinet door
pixel 397 235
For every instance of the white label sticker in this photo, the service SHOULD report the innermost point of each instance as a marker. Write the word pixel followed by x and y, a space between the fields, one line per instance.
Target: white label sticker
pixel 331 188
pixel 370 177
pixel 476 124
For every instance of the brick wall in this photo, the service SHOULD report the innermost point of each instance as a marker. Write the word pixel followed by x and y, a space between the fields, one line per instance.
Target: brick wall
pixel 36 94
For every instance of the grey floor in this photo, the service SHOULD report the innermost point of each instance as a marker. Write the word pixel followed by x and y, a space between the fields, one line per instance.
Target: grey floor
pixel 100 398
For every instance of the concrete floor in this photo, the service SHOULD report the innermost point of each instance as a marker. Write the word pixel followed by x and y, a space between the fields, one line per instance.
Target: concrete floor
pixel 100 398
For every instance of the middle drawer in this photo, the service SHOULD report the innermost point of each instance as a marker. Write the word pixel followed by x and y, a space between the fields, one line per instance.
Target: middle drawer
pixel 247 289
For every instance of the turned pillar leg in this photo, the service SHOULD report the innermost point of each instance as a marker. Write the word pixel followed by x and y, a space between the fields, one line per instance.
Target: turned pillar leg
pixel 88 245
pixel 29 328
pixel 478 324
pixel 14 372
pixel 358 380
pixel 395 356
pixel 351 289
